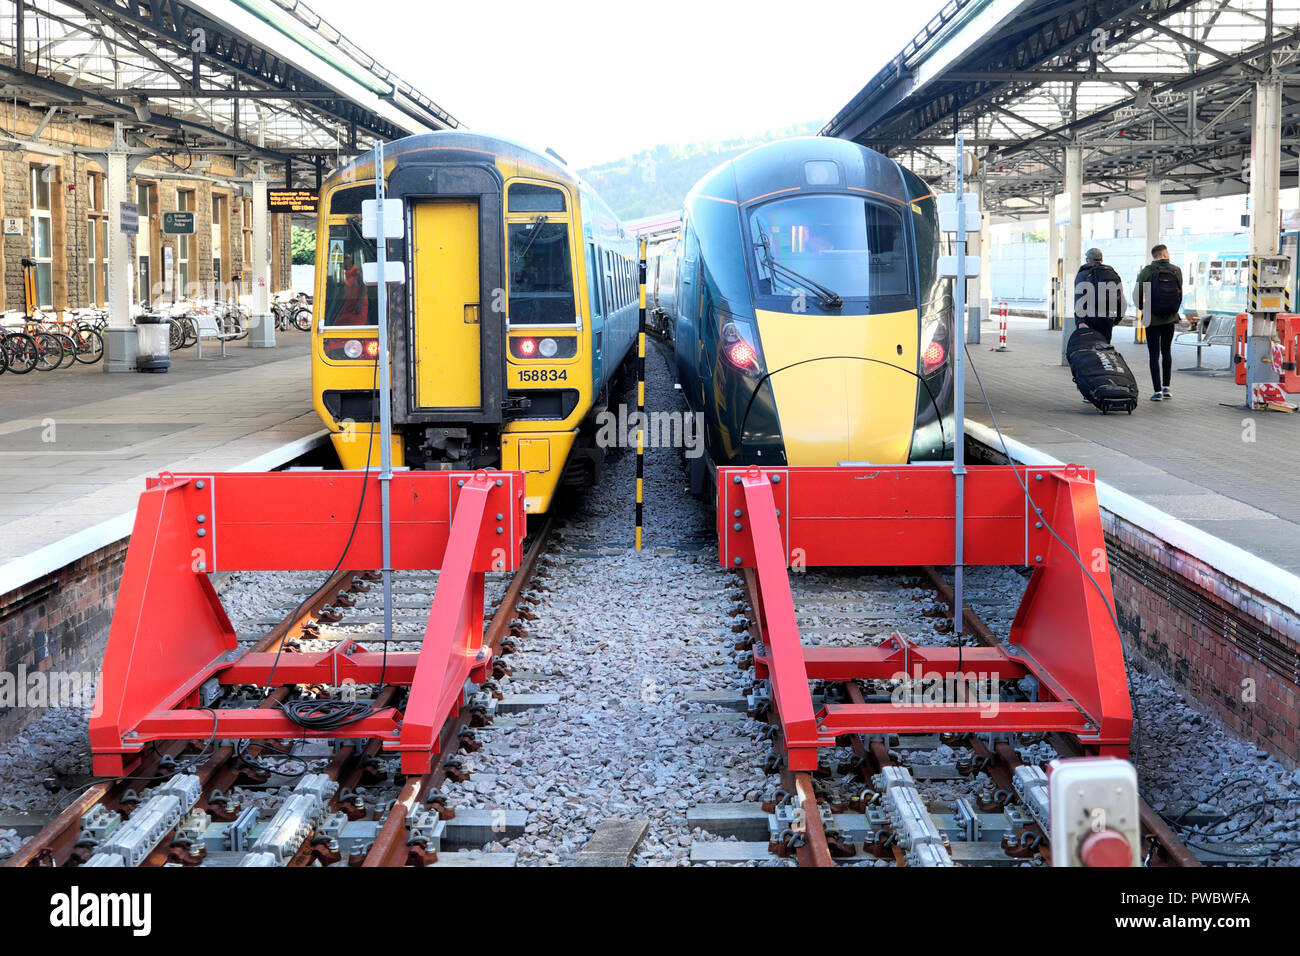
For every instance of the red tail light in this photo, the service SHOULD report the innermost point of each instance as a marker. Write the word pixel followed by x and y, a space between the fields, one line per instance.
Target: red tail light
pixel 528 347
pixel 372 348
pixel 742 355
pixel 933 356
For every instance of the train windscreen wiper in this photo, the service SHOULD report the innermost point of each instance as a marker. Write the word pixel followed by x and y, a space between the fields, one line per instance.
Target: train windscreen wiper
pixel 829 298
pixel 537 230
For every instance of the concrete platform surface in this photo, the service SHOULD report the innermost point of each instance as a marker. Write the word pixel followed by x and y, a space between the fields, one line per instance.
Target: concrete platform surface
pixel 77 444
pixel 1202 458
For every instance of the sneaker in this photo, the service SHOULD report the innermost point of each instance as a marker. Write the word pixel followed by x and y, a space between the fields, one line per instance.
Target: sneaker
pixel 1166 394
pixel 1156 397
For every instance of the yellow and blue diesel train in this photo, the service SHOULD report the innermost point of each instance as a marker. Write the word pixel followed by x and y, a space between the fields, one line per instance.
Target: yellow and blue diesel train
pixel 811 325
pixel 518 309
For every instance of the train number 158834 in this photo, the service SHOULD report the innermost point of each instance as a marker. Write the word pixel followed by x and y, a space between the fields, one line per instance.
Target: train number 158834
pixel 543 375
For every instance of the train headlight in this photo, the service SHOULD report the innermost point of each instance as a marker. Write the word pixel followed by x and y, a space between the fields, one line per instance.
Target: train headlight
pixel 352 348
pixel 547 348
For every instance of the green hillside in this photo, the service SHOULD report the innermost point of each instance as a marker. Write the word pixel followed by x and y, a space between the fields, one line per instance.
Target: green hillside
pixel 656 180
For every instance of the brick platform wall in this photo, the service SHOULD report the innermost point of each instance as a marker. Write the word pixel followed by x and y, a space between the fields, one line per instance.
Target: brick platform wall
pixel 1230 649
pixel 58 623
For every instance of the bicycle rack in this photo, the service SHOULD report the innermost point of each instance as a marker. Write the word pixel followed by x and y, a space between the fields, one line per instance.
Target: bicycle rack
pixel 170 635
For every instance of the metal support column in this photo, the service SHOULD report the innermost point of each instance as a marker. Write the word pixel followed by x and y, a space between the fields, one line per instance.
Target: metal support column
pixel 119 337
pixel 1153 190
pixel 977 299
pixel 1265 220
pixel 261 326
pixel 1053 253
pixel 1073 237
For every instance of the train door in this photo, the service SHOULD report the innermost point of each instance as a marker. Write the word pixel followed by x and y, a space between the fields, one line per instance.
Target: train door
pixel 447 331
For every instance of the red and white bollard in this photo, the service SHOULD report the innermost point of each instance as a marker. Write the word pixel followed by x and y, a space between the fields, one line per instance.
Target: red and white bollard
pixel 1002 327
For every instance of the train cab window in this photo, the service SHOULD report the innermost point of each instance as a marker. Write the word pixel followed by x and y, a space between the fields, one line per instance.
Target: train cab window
pixel 846 245
pixel 348 300
pixel 541 274
pixel 532 197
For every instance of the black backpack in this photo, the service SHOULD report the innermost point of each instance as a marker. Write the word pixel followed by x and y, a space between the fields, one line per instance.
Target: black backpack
pixel 1098 293
pixel 1166 292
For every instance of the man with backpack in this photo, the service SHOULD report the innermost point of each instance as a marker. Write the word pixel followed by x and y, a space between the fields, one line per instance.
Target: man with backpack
pixel 1159 296
pixel 1098 296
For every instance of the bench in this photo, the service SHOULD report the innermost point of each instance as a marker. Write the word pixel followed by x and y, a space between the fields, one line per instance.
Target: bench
pixel 1208 331
pixel 205 326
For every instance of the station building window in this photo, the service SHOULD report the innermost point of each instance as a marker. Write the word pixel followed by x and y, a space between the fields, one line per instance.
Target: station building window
pixel 42 233
pixel 218 246
pixel 97 239
pixel 144 245
pixel 187 265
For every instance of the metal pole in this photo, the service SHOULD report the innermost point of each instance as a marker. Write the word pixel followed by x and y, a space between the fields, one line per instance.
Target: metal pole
pixel 385 387
pixel 959 395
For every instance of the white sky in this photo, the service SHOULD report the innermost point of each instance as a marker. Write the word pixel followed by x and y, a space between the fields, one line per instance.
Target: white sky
pixel 597 81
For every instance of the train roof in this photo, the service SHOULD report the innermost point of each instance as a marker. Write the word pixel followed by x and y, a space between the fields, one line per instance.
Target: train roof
pixel 772 168
pixel 473 145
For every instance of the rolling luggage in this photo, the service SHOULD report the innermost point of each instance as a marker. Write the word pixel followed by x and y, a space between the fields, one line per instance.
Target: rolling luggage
pixel 1100 372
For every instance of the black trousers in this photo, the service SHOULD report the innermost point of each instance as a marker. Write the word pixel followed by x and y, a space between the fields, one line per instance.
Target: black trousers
pixel 1160 344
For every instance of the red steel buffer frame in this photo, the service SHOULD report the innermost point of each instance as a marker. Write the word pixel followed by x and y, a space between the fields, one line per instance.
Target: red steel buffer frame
pixel 171 643
pixel 770 519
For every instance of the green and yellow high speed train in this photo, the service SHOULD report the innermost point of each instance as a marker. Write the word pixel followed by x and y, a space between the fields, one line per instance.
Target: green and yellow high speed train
pixel 812 327
pixel 519 307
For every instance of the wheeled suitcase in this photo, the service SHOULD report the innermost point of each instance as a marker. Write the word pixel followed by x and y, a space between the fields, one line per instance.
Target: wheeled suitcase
pixel 1100 372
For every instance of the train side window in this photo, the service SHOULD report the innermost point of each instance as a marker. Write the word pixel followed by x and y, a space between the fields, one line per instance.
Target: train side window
pixel 533 197
pixel 1230 272
pixel 593 271
pixel 1216 272
pixel 541 274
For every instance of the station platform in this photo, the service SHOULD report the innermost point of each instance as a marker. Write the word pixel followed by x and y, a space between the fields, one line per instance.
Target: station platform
pixel 1202 459
pixel 76 444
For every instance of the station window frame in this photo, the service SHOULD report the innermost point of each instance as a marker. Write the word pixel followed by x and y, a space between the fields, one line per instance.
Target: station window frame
pixel 145 204
pixel 41 186
pixel 186 257
pixel 96 240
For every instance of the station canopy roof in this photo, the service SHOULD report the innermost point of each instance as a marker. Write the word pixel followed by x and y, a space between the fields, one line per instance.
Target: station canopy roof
pixel 1159 88
pixel 259 79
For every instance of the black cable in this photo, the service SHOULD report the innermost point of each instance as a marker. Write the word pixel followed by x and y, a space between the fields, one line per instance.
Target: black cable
pixel 356 520
pixel 326 714
pixel 1137 717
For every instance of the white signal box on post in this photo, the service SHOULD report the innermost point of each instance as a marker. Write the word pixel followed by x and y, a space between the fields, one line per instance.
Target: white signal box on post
pixel 948 212
pixel 394 221
pixel 394 227
pixel 393 272
pixel 953 217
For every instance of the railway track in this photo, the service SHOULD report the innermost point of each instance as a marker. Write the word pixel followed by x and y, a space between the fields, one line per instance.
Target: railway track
pixel 912 800
pixel 184 808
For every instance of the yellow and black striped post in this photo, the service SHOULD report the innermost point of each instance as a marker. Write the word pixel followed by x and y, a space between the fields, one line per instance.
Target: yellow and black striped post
pixel 640 396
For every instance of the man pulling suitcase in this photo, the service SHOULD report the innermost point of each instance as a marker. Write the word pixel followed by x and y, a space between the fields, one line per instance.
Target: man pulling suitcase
pixel 1100 372
pixel 1098 295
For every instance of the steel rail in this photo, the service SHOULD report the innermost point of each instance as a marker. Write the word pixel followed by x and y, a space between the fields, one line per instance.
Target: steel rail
pixel 390 845
pixel 1154 826
pixel 56 841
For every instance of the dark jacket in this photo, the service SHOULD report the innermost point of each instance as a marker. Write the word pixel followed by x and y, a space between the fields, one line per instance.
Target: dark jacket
pixel 1146 276
pixel 1099 296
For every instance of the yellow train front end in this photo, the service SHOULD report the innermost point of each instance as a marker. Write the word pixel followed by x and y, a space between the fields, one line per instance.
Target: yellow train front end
pixel 496 354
